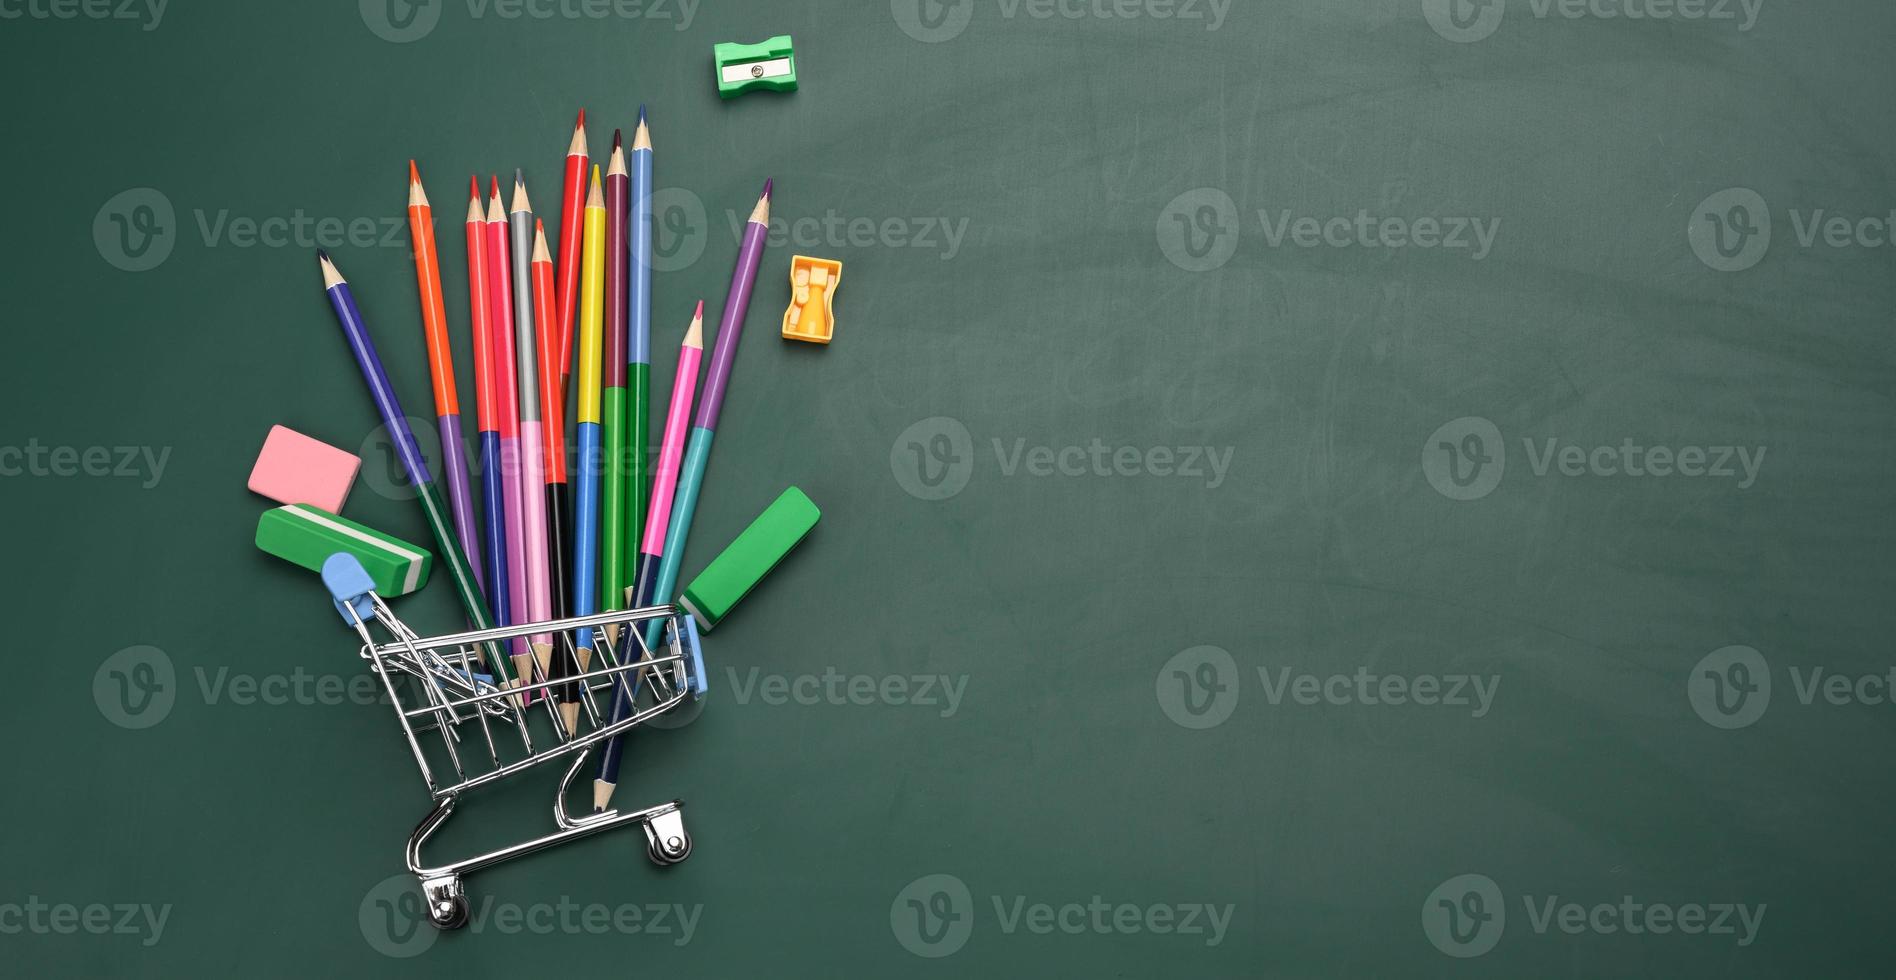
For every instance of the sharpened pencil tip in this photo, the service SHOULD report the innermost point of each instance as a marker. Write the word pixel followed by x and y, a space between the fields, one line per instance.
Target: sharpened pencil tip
pixel 641 112
pixel 617 139
pixel 414 175
pixel 699 313
pixel 496 183
pixel 520 177
pixel 474 186
pixel 322 255
pixel 581 124
pixel 769 182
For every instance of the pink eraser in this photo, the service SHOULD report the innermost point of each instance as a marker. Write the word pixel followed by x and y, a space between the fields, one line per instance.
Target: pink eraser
pixel 295 469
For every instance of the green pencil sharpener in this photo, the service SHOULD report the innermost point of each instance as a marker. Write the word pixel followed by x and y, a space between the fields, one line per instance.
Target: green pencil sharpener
pixel 744 68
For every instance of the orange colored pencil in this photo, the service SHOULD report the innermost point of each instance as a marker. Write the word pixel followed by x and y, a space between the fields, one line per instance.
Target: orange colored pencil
pixel 434 327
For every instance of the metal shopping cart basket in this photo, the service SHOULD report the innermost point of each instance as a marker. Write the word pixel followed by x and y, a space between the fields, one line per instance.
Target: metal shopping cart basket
pixel 438 685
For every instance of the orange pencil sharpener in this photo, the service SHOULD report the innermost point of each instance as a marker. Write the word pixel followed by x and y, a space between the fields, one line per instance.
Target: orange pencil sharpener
pixel 811 315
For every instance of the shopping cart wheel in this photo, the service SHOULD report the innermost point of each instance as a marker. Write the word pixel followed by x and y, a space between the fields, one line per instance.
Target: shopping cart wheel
pixel 447 902
pixel 666 841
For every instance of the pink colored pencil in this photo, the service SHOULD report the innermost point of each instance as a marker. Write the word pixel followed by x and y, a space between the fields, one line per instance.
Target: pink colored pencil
pixel 500 323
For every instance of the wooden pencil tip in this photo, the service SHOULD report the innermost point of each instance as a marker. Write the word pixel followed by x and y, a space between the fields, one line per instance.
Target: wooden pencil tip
pixel 322 255
pixel 694 334
pixel 414 175
pixel 617 139
pixel 641 113
pixel 540 252
pixel 581 124
pixel 698 314
pixel 594 197
pixel 769 182
pixel 520 202
pixel 473 187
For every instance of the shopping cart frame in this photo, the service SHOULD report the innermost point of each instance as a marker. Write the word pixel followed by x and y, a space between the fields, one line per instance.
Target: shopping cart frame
pixel 451 697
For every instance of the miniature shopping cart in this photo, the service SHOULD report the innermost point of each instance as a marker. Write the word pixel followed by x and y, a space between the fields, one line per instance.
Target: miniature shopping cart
pixel 453 715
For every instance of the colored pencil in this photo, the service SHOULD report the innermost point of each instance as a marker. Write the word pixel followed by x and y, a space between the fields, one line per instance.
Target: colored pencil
pixel 553 444
pixel 572 208
pixel 434 508
pixel 487 416
pixel 592 294
pixel 638 352
pixel 507 410
pixel 532 475
pixel 652 547
pixel 434 326
pixel 698 448
pixel 612 498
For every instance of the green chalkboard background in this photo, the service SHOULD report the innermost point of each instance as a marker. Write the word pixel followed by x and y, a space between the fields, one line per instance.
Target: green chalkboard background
pixel 1171 381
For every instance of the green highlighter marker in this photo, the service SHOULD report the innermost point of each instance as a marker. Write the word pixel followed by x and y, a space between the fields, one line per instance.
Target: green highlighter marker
pixel 732 574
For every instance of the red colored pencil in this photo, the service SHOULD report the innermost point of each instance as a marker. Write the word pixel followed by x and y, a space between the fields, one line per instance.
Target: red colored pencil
pixel 572 225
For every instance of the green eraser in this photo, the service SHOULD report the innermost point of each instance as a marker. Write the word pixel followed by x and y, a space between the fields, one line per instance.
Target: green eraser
pixel 744 68
pixel 307 536
pixel 741 566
